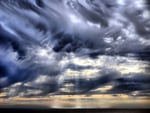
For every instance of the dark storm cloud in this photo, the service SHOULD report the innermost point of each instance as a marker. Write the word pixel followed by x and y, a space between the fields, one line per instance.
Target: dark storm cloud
pixel 130 83
pixel 9 67
pixel 36 36
pixel 33 88
pixel 8 39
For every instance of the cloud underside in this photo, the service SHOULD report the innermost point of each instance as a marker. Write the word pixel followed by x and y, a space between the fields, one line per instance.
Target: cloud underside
pixel 74 47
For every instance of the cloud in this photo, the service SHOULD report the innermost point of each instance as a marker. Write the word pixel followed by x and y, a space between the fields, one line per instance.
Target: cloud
pixel 83 85
pixel 131 83
pixel 9 67
pixel 68 46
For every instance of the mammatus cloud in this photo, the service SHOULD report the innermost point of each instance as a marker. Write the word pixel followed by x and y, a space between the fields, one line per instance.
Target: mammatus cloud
pixel 74 46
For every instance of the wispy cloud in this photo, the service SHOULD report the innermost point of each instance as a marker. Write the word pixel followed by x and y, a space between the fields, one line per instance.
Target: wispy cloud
pixel 74 47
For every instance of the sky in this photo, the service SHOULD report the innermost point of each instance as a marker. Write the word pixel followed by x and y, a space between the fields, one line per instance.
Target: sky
pixel 74 47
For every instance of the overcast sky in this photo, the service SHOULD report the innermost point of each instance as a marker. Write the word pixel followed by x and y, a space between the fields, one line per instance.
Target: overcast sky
pixel 74 47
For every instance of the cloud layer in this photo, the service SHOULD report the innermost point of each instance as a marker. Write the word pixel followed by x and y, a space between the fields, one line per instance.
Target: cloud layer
pixel 74 47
